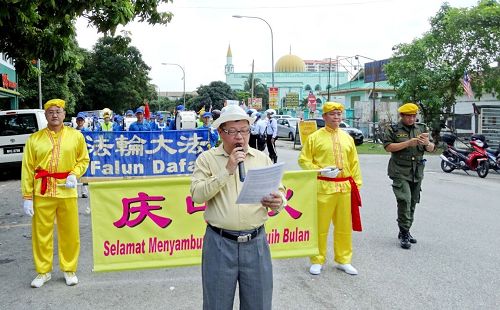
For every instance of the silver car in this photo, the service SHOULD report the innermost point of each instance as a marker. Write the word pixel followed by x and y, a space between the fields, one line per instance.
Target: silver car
pixel 287 127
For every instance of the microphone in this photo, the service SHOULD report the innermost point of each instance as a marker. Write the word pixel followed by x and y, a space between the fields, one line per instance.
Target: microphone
pixel 241 167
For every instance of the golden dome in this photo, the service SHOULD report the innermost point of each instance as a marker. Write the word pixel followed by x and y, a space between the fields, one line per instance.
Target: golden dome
pixel 290 63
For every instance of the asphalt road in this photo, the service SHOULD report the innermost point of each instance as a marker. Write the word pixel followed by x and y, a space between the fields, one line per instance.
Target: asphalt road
pixel 454 265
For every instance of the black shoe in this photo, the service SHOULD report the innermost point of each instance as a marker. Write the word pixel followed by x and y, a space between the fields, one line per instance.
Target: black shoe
pixel 405 240
pixel 412 240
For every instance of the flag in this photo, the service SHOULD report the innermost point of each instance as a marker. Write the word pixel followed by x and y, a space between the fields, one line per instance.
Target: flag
pixel 466 85
pixel 147 112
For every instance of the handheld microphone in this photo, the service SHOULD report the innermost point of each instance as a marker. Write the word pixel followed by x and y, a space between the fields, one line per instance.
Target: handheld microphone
pixel 241 167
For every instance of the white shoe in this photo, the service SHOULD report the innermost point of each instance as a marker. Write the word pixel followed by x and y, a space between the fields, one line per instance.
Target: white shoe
pixel 70 278
pixel 40 279
pixel 315 269
pixel 347 268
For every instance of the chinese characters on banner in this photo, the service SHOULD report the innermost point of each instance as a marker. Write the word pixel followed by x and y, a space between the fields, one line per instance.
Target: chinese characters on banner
pixel 153 223
pixel 128 153
pixel 273 97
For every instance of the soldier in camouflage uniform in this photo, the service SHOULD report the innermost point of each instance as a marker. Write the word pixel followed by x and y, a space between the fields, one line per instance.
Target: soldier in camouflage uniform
pixel 407 141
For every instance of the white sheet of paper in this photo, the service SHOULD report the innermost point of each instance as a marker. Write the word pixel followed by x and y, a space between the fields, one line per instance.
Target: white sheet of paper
pixel 260 182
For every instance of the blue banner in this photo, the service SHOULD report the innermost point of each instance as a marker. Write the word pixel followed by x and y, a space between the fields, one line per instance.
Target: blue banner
pixel 144 153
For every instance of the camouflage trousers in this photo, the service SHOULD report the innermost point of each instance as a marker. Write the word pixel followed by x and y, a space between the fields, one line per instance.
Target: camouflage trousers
pixel 407 196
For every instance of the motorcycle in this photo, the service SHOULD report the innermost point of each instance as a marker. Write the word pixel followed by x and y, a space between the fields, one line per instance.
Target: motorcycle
pixel 494 158
pixel 474 160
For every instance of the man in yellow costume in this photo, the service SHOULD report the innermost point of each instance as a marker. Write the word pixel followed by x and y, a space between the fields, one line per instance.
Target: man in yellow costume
pixel 332 152
pixel 53 159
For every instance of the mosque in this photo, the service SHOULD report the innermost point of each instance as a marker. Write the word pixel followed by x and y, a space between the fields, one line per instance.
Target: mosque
pixel 297 79
pixel 294 78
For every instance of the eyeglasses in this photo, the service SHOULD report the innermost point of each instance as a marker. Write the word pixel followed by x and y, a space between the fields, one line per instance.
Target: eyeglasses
pixel 234 132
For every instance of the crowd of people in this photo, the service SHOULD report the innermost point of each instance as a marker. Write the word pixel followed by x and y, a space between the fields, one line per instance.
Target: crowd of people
pixel 235 248
pixel 263 135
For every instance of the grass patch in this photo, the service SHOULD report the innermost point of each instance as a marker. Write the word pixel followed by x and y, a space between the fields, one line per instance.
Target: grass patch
pixel 371 148
pixel 378 149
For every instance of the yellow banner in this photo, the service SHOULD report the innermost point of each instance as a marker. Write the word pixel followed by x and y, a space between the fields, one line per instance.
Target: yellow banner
pixel 153 223
pixel 306 128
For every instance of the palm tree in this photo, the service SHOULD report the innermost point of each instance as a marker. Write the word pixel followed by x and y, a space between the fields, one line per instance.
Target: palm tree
pixel 248 83
pixel 259 89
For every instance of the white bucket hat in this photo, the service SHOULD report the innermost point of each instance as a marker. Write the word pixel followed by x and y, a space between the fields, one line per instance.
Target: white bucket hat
pixel 232 113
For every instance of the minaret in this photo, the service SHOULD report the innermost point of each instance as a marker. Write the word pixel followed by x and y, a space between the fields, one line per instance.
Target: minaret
pixel 229 68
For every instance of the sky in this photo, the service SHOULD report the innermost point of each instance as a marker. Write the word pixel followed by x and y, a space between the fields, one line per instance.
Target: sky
pixel 200 32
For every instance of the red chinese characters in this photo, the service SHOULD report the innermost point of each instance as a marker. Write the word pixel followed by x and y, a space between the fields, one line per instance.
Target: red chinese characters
pixel 143 210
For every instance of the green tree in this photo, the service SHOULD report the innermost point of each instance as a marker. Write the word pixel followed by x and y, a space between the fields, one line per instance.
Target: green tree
pixel 242 95
pixel 115 76
pixel 66 86
pixel 259 89
pixel 215 94
pixel 429 70
pixel 46 29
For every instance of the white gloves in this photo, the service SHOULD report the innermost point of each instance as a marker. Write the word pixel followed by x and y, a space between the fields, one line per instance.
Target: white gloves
pixel 331 173
pixel 28 207
pixel 71 181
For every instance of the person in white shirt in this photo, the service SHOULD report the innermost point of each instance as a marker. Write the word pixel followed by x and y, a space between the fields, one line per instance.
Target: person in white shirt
pixel 271 133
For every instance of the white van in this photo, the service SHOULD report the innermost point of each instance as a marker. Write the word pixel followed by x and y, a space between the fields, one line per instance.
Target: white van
pixel 15 128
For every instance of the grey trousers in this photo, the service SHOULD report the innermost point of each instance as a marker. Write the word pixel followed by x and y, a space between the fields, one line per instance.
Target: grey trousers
pixel 226 262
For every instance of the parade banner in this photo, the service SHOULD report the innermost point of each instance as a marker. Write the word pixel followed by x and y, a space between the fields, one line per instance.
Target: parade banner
pixel 273 97
pixel 305 129
pixel 144 153
pixel 153 223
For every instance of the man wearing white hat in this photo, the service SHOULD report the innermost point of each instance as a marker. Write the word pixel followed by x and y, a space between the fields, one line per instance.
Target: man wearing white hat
pixel 235 248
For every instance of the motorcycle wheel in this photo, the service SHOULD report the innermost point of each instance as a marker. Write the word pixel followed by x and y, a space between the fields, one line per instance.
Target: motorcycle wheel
pixel 482 169
pixel 446 167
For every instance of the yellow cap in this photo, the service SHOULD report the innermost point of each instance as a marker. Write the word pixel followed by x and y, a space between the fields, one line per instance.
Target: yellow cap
pixel 330 106
pixel 408 108
pixel 54 103
pixel 106 112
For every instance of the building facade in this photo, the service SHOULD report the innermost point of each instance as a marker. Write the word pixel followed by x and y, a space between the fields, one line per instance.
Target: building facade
pixel 294 80
pixel 9 97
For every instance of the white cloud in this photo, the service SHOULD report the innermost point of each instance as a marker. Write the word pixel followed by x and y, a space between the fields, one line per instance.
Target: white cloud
pixel 200 32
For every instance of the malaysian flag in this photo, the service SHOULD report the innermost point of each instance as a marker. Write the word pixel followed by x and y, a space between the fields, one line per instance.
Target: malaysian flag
pixel 466 85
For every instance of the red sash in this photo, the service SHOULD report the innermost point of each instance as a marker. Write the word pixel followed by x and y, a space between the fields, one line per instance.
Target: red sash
pixel 44 174
pixel 355 200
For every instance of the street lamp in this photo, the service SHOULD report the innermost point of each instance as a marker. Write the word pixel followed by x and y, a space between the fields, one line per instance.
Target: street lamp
pixel 272 42
pixel 183 79
pixel 337 59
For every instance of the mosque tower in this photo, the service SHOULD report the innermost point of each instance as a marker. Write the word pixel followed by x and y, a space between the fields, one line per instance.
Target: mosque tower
pixel 229 68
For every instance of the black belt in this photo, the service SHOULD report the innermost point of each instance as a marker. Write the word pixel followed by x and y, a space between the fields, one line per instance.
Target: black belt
pixel 238 238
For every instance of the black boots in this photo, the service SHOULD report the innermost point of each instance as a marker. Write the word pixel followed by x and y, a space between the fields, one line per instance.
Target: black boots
pixel 412 240
pixel 406 239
